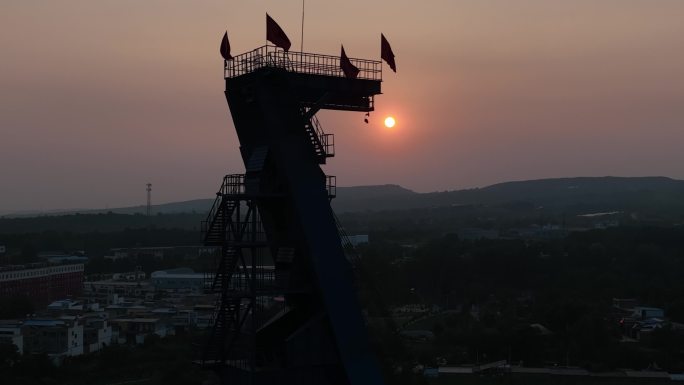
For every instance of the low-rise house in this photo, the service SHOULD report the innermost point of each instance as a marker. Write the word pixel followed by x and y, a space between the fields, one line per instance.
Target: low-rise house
pixel 131 276
pixel 184 320
pixel 65 306
pixel 205 315
pixel 104 289
pixel 644 313
pixel 178 279
pixel 641 322
pixel 159 252
pixel 134 330
pixel 358 239
pixel 97 332
pixel 55 337
pixel 10 332
pixel 626 304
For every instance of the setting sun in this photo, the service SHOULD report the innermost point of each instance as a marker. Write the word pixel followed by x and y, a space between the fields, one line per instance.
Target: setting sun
pixel 390 122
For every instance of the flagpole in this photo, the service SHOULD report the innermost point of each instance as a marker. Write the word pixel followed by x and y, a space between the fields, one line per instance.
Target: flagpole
pixel 301 49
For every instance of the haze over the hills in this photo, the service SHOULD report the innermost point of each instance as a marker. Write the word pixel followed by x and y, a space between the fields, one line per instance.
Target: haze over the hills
pixel 581 193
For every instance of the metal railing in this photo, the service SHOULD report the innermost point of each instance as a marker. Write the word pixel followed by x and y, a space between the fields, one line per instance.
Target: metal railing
pixel 233 184
pixel 299 62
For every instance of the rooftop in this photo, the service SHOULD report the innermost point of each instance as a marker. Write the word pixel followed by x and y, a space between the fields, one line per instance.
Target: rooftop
pixel 43 322
pixel 136 320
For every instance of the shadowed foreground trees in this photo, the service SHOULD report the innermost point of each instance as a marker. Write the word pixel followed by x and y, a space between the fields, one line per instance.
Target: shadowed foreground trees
pixel 166 361
pixel 541 302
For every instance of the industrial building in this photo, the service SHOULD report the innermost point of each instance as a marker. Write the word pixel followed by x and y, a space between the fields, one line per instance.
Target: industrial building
pixel 41 283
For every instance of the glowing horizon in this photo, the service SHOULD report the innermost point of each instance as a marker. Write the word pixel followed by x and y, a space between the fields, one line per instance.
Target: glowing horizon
pixel 98 98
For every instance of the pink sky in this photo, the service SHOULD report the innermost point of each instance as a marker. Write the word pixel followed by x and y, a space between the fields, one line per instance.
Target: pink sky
pixel 99 97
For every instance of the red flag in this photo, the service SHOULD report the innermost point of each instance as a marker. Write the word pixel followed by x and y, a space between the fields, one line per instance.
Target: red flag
pixel 347 67
pixel 276 35
pixel 225 47
pixel 386 53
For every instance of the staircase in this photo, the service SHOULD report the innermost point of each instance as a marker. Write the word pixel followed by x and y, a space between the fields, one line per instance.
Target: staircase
pixel 224 272
pixel 214 227
pixel 225 322
pixel 323 144
pixel 227 318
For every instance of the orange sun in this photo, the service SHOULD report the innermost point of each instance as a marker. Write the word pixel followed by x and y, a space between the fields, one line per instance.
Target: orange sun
pixel 390 122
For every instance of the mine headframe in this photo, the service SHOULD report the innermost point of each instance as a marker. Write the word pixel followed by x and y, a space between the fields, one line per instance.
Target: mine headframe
pixel 286 310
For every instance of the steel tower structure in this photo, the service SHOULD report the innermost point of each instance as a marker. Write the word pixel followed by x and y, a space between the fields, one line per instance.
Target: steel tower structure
pixel 287 312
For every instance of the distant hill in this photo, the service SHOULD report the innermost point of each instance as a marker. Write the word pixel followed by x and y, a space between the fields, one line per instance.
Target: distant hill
pixel 571 194
pixel 191 206
pixel 568 193
pixel 382 197
pixel 355 198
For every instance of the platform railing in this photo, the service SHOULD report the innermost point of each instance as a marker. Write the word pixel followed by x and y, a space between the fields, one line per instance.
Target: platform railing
pixel 233 184
pixel 299 62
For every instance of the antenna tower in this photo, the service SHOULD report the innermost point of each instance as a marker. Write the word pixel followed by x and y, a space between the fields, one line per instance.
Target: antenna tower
pixel 149 199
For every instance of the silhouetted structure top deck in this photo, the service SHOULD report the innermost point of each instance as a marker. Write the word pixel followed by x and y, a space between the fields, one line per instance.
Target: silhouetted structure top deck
pixel 269 56
pixel 319 78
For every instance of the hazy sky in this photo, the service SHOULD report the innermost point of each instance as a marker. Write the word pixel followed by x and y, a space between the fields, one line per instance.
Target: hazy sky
pixel 98 97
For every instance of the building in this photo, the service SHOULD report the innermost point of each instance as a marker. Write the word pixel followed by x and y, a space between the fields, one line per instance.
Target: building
pixel 111 292
pixel 97 332
pixel 65 305
pixel 356 240
pixel 56 337
pixel 135 330
pixel 10 332
pixel 71 307
pixel 178 279
pixel 158 252
pixel 645 313
pixel 63 258
pixel 131 276
pixel 205 316
pixel 625 304
pixel 41 283
pixel 638 322
pixel 59 257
